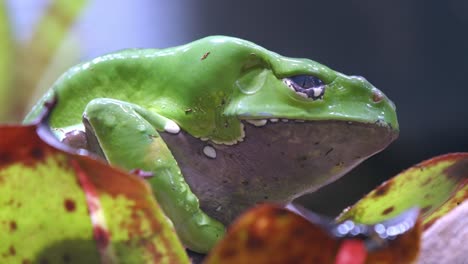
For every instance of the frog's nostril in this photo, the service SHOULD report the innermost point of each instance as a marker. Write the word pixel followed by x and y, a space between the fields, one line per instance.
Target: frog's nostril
pixel 377 95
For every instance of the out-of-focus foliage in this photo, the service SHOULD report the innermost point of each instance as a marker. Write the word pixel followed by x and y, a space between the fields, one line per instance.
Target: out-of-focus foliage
pixel 270 234
pixel 23 65
pixel 437 186
pixel 60 207
pixel 5 63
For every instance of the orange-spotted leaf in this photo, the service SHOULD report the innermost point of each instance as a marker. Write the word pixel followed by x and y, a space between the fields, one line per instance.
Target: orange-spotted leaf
pixel 271 234
pixel 60 207
pixel 436 186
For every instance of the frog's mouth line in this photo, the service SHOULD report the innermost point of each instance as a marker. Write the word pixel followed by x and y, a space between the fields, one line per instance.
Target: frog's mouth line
pixel 272 121
pixel 263 122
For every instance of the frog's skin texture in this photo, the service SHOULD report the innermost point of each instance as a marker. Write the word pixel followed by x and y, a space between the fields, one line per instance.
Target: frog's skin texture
pixel 241 124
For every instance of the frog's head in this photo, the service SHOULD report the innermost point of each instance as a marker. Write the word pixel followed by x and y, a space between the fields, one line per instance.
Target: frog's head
pixel 293 125
pixel 271 87
pixel 228 81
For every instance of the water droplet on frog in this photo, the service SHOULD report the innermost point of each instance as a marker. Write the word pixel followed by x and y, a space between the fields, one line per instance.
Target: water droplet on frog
pixel 209 151
pixel 141 128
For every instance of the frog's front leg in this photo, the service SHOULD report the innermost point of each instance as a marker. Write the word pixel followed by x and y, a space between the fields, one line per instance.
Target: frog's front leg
pixel 127 136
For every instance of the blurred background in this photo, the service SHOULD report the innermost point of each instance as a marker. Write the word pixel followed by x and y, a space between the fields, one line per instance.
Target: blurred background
pixel 415 51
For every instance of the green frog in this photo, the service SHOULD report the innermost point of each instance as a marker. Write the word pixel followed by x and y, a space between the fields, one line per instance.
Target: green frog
pixel 220 124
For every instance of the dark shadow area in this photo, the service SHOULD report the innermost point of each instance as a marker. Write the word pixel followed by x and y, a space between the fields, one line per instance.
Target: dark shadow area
pixel 69 252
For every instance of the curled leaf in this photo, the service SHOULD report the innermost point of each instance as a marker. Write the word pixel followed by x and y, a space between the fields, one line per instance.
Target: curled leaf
pixel 60 207
pixel 436 186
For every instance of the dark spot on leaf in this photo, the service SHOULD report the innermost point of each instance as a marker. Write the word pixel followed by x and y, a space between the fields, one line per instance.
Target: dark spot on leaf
pixel 329 151
pixel 426 209
pixel 382 189
pixel 265 197
pixel 101 236
pixel 26 261
pixel 388 210
pixel 245 182
pixel 457 171
pixel 254 242
pixel 426 182
pixel 302 158
pixel 297 231
pixel 225 181
pixel 5 158
pixel 282 153
pixel 316 143
pixel 228 252
pixel 13 226
pixel 37 153
pixel 420 167
pixel 12 250
pixel 277 212
pixel 66 258
pixel 70 205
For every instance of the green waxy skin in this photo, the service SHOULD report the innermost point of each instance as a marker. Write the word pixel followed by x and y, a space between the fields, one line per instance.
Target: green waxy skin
pixel 206 88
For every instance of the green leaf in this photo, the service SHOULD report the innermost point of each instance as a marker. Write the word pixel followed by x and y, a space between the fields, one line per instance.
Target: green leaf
pixel 436 186
pixel 61 207
pixel 35 56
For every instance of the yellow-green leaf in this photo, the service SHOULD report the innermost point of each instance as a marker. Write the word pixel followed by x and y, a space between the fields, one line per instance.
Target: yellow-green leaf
pixel 436 186
pixel 60 207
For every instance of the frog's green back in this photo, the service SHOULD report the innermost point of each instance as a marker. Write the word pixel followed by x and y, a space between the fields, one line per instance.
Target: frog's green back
pixel 189 78
pixel 209 85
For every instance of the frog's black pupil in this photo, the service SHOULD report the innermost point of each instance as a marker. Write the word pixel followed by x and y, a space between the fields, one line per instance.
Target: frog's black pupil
pixel 307 81
pixel 307 86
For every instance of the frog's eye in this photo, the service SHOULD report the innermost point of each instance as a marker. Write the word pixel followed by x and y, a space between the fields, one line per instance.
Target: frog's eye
pixel 307 86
